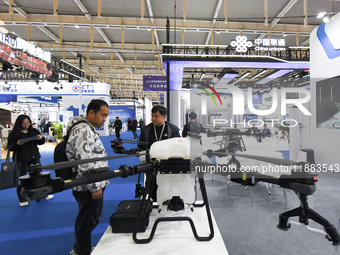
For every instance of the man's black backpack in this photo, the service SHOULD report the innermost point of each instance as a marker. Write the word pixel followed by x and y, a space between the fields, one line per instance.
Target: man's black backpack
pixel 60 156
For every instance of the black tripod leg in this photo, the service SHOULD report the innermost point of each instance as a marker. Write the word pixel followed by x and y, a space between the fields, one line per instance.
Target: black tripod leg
pixel 283 218
pixel 333 234
pixel 207 207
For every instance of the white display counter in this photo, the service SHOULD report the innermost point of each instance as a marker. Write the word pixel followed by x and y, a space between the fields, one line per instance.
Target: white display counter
pixel 170 238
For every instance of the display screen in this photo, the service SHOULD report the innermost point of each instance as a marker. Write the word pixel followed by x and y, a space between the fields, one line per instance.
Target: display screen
pixel 328 103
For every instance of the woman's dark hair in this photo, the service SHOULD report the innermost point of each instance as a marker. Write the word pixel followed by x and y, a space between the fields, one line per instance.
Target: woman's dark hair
pixel 95 105
pixel 17 125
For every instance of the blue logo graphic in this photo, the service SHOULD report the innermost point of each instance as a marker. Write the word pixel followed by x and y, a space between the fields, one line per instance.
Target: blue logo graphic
pixel 326 43
pixel 85 88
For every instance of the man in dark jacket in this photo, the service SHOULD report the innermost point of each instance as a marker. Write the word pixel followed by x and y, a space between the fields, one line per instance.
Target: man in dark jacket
pixel 117 126
pixel 158 129
pixel 134 128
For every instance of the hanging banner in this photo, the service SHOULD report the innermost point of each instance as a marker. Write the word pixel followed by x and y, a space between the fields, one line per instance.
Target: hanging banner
pixel 19 52
pixel 25 46
pixel 154 83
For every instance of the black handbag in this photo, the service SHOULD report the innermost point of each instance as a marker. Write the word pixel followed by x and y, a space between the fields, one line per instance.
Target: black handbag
pixel 10 172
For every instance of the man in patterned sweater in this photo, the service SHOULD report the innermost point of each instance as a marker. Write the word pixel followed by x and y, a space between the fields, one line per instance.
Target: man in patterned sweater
pixel 84 143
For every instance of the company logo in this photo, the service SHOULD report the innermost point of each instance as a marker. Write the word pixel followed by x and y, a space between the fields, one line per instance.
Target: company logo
pixel 215 92
pixel 75 88
pixel 326 43
pixel 238 102
pixel 9 87
pixel 241 43
pixel 86 88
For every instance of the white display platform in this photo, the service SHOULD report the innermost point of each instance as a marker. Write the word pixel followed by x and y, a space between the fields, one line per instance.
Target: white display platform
pixel 170 238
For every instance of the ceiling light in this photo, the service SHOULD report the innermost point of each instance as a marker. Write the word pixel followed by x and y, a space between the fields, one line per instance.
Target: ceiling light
pixel 202 76
pixel 218 32
pixel 76 26
pixel 321 15
pixel 148 29
pixel 241 77
pixel 103 53
pixel 258 74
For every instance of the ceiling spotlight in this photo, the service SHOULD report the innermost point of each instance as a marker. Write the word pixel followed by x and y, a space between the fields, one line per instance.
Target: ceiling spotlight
pixel 202 76
pixel 325 19
pixel 76 26
pixel 218 32
pixel 103 53
pixel 149 29
pixel 321 15
pixel 56 87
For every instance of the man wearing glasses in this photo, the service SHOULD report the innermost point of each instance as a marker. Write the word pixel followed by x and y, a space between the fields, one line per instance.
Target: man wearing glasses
pixel 158 129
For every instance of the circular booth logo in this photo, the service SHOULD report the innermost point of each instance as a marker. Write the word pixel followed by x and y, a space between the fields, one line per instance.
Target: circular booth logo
pixel 75 88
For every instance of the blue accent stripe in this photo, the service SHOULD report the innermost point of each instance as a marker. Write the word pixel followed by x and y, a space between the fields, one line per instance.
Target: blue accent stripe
pixel 326 43
pixel 45 232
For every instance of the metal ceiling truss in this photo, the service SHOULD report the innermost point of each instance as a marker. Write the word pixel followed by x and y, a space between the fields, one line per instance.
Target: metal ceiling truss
pixel 216 51
pixel 132 70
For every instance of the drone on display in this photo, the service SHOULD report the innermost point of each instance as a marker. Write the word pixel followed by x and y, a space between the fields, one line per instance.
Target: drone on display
pixel 231 141
pixel 39 184
pixel 118 148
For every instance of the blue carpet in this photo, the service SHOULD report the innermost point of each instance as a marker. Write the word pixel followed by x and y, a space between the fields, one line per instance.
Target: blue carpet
pixel 47 227
pixel 285 154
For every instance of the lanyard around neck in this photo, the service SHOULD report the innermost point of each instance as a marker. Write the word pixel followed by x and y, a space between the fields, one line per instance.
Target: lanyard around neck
pixel 160 137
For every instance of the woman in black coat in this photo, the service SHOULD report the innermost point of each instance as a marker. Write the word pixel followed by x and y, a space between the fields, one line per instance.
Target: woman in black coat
pixel 28 152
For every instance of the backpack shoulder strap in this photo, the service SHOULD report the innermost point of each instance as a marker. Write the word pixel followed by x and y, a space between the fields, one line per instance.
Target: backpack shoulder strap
pixel 75 124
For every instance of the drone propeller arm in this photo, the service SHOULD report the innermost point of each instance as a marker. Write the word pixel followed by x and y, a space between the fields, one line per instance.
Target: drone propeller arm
pixel 72 163
pixel 50 186
pixel 106 173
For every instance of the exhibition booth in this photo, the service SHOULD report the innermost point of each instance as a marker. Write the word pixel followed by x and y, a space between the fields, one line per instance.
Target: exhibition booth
pixel 310 112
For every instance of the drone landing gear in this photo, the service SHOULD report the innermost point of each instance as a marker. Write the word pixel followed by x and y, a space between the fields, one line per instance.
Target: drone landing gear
pixel 304 213
pixel 193 228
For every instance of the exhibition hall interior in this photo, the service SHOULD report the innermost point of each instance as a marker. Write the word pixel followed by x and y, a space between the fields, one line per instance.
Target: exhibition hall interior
pixel 218 127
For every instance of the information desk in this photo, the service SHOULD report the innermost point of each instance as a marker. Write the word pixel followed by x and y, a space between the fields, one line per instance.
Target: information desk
pixel 170 238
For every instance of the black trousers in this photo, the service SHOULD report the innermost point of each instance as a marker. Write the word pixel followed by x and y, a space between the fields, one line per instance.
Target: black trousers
pixel 23 171
pixel 89 213
pixel 117 130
